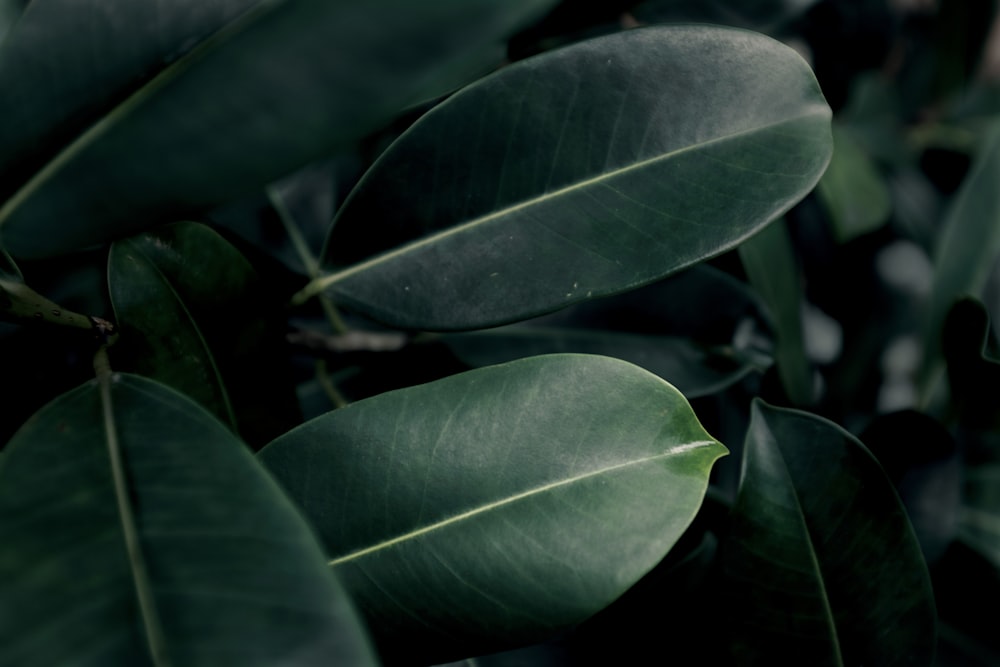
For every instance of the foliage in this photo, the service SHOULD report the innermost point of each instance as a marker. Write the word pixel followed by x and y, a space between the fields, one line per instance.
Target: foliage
pixel 341 332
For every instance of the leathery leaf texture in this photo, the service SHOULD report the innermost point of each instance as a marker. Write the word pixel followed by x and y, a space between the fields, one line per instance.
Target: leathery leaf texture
pixel 579 173
pixel 495 507
pixel 822 560
pixel 137 530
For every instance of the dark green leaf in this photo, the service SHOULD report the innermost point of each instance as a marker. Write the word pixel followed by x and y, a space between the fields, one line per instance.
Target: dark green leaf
pixel 772 268
pixel 284 84
pixel 824 565
pixel 192 314
pixel 700 330
pixel 66 64
pixel 854 192
pixel 495 507
pixel 579 173
pixel 967 249
pixel 137 531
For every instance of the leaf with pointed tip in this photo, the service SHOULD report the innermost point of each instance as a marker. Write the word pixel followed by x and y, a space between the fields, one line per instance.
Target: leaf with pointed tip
pixel 495 507
pixel 823 563
pixel 137 530
pixel 579 173
pixel 281 85
pixel 701 330
pixel 192 313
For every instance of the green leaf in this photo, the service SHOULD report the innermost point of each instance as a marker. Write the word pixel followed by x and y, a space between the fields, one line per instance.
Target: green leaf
pixel 284 84
pixel 967 249
pixel 582 172
pixel 192 314
pixel 852 189
pixel 700 330
pixel 95 55
pixel 770 262
pixel 495 507
pixel 137 531
pixel 824 565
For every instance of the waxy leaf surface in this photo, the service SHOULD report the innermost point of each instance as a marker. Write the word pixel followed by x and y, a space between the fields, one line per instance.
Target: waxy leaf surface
pixel 579 173
pixel 283 84
pixel 823 563
pixel 137 530
pixel 496 507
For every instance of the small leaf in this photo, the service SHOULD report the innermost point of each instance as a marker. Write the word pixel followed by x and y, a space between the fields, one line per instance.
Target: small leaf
pixel 824 566
pixel 284 84
pixel 772 268
pixel 192 314
pixel 137 530
pixel 700 330
pixel 852 189
pixel 495 507
pixel 579 173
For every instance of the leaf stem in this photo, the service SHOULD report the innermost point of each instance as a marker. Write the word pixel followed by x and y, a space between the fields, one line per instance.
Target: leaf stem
pixel 143 589
pixel 323 377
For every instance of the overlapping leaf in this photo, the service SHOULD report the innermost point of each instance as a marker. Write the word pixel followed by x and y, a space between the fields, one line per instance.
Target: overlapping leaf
pixel 193 314
pixel 137 530
pixel 495 507
pixel 279 86
pixel 700 330
pixel 824 565
pixel 580 173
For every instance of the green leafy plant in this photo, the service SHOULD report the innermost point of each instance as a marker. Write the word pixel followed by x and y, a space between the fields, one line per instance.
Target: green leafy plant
pixel 386 332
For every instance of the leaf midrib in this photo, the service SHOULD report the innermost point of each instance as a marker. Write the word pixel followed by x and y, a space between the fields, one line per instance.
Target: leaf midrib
pixel 502 502
pixel 110 120
pixel 333 278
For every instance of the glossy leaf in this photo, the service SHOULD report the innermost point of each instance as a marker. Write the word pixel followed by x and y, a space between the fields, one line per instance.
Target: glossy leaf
pixel 852 189
pixel 824 566
pixel 192 314
pixel 772 268
pixel 498 506
pixel 284 84
pixel 95 55
pixel 967 249
pixel 579 173
pixel 137 530
pixel 700 330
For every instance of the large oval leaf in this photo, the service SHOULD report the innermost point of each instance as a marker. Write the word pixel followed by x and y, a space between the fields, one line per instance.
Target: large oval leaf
pixel 282 85
pixel 192 314
pixel 579 173
pixel 137 530
pixel 824 565
pixel 65 64
pixel 494 507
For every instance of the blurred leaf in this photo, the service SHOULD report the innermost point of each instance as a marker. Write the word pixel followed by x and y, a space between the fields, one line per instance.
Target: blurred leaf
pixel 193 314
pixel 570 176
pixel 824 564
pixel 772 268
pixel 285 84
pixel 10 12
pixel 967 248
pixel 852 189
pixel 137 531
pixel 973 374
pixel 700 330
pixel 498 506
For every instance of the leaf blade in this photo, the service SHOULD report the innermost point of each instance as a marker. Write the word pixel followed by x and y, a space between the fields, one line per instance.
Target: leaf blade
pixel 448 484
pixel 593 179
